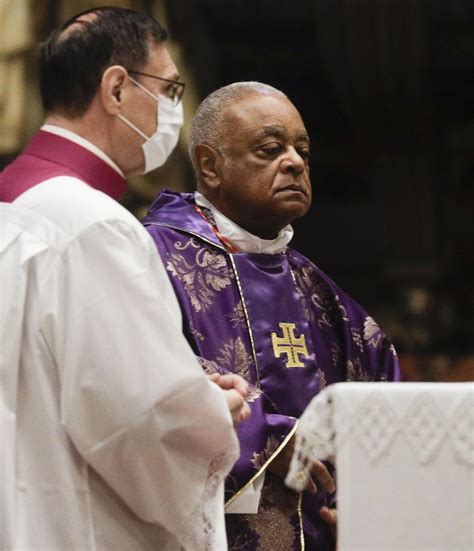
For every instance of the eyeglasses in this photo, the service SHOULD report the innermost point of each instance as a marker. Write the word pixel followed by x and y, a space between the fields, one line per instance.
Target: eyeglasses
pixel 175 91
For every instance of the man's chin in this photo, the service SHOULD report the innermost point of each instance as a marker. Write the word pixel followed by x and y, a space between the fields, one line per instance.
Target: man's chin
pixel 295 209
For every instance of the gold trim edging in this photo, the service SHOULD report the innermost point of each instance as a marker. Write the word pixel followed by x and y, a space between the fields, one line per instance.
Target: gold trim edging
pixel 300 518
pixel 264 466
pixel 252 342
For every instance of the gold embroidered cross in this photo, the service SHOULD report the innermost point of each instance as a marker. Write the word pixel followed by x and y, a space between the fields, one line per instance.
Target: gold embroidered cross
pixel 290 345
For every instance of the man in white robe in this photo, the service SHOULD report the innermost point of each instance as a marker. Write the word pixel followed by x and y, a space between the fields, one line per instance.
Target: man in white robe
pixel 112 436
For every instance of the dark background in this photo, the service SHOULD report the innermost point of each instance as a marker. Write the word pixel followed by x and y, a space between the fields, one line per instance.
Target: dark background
pixel 386 89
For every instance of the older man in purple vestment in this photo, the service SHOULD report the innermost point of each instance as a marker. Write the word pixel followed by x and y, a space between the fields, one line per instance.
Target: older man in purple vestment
pixel 254 306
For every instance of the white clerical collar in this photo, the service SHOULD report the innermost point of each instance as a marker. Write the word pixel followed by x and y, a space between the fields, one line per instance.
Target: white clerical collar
pixel 86 144
pixel 242 239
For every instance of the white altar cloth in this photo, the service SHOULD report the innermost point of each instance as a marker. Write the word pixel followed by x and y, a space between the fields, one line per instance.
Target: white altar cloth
pixel 404 456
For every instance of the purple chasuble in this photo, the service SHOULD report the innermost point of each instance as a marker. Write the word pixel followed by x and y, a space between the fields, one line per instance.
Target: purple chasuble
pixel 48 156
pixel 283 325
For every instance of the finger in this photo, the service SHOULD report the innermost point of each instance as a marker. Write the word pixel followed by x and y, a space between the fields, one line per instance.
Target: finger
pixel 239 384
pixel 234 399
pixel 230 380
pixel 322 475
pixel 328 515
pixel 245 412
pixel 214 377
pixel 311 487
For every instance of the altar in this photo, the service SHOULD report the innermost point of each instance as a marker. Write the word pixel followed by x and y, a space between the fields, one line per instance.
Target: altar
pixel 404 457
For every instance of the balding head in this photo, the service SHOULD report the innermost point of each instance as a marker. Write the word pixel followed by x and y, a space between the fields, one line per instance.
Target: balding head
pixel 74 58
pixel 250 148
pixel 206 127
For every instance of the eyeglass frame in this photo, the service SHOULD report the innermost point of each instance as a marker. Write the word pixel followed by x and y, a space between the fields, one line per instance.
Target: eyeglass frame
pixel 179 94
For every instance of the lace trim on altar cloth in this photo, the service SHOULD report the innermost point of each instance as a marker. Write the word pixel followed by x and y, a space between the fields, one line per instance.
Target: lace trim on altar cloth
pixel 326 425
pixel 198 531
pixel 315 441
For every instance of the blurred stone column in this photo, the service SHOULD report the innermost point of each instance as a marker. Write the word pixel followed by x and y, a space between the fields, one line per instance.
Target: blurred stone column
pixel 16 41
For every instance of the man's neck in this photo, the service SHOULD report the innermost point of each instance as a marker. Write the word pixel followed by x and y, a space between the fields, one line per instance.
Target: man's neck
pixel 73 132
pixel 83 127
pixel 244 240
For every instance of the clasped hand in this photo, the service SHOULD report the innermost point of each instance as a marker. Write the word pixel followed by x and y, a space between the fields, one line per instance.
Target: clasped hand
pixel 235 390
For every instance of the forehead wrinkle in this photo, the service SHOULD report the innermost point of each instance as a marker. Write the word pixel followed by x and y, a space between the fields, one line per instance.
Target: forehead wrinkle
pixel 281 132
pixel 272 130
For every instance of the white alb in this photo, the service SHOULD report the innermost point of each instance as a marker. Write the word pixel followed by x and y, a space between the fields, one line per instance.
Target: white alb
pixel 112 436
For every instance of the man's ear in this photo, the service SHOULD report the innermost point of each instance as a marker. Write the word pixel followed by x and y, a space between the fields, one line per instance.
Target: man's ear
pixel 207 161
pixel 114 89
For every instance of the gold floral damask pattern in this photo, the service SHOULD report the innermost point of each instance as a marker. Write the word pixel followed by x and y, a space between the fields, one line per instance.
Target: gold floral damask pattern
pixel 235 357
pixel 237 318
pixel 203 278
pixel 335 354
pixel 260 458
pixel 253 394
pixel 372 333
pixel 355 372
pixel 357 338
pixel 195 333
pixel 321 378
pixel 322 306
pixel 273 523
pixel 393 351
pixel 304 284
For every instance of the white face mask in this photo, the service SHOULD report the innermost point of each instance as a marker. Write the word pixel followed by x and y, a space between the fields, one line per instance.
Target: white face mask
pixel 169 120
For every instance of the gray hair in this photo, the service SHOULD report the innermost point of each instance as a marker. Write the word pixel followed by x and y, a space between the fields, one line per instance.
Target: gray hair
pixel 206 127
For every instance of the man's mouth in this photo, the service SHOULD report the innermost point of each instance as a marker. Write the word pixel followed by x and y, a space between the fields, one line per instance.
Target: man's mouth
pixel 294 187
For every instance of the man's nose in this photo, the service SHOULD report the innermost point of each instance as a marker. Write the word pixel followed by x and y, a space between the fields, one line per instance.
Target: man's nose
pixel 293 162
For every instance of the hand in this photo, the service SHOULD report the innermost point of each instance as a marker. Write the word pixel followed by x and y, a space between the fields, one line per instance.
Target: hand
pixel 235 390
pixel 280 465
pixel 230 380
pixel 330 517
pixel 239 409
